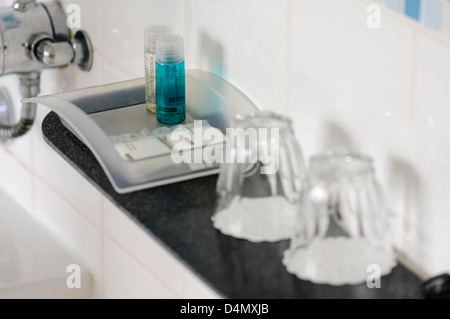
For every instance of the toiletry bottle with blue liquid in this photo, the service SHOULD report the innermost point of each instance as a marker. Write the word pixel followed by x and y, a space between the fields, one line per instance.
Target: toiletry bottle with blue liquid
pixel 170 79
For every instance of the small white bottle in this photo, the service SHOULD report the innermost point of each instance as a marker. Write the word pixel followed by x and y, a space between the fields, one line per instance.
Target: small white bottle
pixel 151 33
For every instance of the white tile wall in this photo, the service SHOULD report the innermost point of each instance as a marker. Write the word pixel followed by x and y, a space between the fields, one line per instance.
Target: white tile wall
pixel 91 18
pixel 246 43
pixel 125 278
pixel 350 87
pixel 382 91
pixel 63 178
pixel 16 178
pixel 135 240
pixel 151 256
pixel 80 234
pixel 428 195
pixel 116 42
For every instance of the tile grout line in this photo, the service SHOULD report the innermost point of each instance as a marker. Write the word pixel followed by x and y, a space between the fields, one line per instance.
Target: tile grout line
pixel 15 158
pixel 409 180
pixel 102 248
pixel 147 269
pixel 65 200
pixel 187 26
pixel 288 55
pixel 27 169
pixel 100 286
pixel 402 253
pixel 96 49
pixel 187 33
pixel 33 180
pixel 102 198
pixel 116 65
pixel 400 17
pixel 88 220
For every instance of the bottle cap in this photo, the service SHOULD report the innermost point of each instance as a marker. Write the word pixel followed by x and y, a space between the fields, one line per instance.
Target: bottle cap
pixel 169 48
pixel 151 33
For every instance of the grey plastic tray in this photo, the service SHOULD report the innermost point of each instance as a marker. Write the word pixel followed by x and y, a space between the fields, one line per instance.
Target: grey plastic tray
pixel 103 115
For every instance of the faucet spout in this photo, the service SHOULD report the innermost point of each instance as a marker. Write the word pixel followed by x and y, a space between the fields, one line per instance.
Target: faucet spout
pixel 55 53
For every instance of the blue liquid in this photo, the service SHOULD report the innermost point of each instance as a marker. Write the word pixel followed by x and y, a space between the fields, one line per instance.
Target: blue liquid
pixel 170 93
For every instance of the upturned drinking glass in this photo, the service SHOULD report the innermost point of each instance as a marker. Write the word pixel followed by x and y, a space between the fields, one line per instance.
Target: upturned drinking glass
pixel 260 183
pixel 342 226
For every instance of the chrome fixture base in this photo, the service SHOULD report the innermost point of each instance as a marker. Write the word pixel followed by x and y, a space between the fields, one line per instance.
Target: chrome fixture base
pixel 84 51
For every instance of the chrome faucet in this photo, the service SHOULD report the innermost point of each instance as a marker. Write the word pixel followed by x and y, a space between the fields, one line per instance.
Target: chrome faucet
pixel 33 37
pixel 21 5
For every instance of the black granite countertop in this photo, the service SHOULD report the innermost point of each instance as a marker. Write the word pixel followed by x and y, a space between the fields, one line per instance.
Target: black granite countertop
pixel 179 217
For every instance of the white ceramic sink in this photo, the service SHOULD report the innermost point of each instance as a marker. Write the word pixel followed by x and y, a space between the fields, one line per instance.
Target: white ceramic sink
pixel 33 262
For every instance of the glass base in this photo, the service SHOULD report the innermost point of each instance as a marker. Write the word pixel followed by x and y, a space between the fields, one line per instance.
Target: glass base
pixel 171 118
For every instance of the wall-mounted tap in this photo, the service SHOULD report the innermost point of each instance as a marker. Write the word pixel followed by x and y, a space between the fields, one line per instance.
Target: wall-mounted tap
pixel 33 37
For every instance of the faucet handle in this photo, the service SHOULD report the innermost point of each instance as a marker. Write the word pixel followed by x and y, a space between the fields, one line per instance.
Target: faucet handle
pixel 77 51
